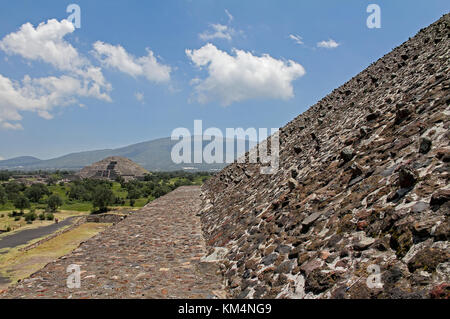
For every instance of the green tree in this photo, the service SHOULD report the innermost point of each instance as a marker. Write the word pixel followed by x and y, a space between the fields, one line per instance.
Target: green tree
pixel 36 191
pixel 102 197
pixel 30 217
pixel 54 202
pixel 120 180
pixel 161 190
pixel 13 189
pixel 182 182
pixel 79 192
pixel 21 202
pixel 3 197
pixel 133 194
pixel 4 176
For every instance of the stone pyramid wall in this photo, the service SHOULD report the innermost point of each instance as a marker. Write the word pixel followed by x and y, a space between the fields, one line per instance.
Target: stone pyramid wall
pixel 113 167
pixel 361 194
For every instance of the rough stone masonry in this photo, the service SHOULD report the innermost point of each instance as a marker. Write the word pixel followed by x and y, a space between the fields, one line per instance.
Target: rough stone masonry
pixel 362 191
pixel 154 253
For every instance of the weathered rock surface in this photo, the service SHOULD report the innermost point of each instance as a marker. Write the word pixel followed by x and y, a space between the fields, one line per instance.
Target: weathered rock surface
pixel 112 168
pixel 375 192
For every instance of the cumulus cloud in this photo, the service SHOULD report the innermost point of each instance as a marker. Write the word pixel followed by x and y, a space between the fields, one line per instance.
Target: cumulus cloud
pixel 297 39
pixel 242 76
pixel 46 43
pixel 330 44
pixel 117 57
pixel 39 95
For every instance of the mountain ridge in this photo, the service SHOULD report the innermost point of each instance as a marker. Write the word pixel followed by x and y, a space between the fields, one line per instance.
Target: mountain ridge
pixel 153 155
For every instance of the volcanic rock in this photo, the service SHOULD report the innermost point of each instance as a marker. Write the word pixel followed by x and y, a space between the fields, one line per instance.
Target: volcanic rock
pixel 366 195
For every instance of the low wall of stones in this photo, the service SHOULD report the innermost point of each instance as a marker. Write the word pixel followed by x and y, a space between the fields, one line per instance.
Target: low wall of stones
pixel 78 222
pixel 105 218
pixel 102 218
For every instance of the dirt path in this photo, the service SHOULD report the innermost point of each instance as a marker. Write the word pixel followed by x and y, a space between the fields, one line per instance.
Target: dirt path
pixel 154 253
pixel 24 236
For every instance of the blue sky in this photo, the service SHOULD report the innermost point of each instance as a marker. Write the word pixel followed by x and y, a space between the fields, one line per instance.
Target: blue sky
pixel 162 64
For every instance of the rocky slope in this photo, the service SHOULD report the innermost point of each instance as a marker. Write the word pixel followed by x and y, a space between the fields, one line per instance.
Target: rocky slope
pixel 363 183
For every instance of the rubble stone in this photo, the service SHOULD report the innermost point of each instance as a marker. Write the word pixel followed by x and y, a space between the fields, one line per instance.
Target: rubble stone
pixel 376 165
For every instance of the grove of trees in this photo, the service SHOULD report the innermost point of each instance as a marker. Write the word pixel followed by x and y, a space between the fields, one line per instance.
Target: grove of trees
pixel 100 193
pixel 36 191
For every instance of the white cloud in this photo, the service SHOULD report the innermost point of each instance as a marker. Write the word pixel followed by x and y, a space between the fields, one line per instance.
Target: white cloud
pixel 219 31
pixel 39 95
pixel 2 158
pixel 46 43
pixel 139 96
pixel 330 44
pixel 298 39
pixel 242 76
pixel 117 57
pixel 229 15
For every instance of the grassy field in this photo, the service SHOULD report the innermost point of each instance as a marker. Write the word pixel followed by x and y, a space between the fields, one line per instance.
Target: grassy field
pixel 16 264
pixel 79 206
pixel 68 209
pixel 21 224
pixel 198 180
pixel 87 206
pixel 77 196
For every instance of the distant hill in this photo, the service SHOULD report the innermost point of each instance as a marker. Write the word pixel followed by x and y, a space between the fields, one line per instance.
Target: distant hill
pixel 152 155
pixel 20 161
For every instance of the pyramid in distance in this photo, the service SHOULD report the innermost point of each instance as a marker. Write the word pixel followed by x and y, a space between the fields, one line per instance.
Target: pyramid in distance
pixel 113 167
